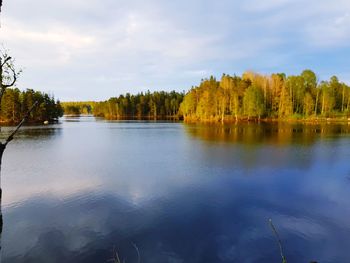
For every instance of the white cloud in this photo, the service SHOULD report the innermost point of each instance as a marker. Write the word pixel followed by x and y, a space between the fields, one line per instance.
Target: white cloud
pixel 51 47
pixel 331 32
pixel 266 5
pixel 73 47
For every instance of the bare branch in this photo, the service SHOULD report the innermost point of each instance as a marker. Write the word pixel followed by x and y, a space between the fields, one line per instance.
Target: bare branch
pixel 6 59
pixel 10 138
pixel 14 79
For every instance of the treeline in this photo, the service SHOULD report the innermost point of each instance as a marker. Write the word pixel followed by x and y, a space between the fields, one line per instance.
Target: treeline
pixel 251 96
pixel 156 105
pixel 15 104
pixel 259 96
pixel 78 108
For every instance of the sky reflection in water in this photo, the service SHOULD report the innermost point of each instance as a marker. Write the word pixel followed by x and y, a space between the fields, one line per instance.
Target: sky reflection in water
pixel 181 193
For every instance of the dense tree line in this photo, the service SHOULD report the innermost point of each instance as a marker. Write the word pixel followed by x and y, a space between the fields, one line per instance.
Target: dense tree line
pixel 15 104
pixel 232 98
pixel 78 108
pixel 258 96
pixel 156 105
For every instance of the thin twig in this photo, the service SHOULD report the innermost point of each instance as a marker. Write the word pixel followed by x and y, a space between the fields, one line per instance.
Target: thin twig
pixel 115 258
pixel 284 260
pixel 6 59
pixel 138 253
pixel 10 138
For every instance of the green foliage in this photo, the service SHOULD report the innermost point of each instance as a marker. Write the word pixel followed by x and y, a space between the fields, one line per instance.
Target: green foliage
pixel 251 96
pixel 310 79
pixel 71 110
pixel 276 96
pixel 77 108
pixel 15 104
pixel 156 105
pixel 253 102
pixel 308 104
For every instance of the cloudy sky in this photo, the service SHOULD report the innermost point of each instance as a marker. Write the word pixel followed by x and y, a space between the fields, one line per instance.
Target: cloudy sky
pixel 95 49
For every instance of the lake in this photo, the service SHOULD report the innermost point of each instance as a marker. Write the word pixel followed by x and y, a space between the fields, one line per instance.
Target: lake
pixel 85 189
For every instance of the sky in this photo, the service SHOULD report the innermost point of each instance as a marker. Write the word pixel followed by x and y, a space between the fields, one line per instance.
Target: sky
pixel 96 49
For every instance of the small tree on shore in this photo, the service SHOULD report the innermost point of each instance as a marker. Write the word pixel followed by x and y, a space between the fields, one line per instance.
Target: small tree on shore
pixel 253 102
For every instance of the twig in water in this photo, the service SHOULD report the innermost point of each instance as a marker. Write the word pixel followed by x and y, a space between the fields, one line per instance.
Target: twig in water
pixel 115 258
pixel 138 253
pixel 284 260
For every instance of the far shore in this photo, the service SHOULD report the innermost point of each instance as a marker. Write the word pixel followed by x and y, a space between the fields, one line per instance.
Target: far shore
pixel 227 120
pixel 271 120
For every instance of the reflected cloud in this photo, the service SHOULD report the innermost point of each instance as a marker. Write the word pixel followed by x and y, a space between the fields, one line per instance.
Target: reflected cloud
pixel 185 227
pixel 181 193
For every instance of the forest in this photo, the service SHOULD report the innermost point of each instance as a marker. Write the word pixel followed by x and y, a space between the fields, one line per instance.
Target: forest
pixel 252 96
pixel 15 105
pixel 78 108
pixel 256 96
pixel 156 105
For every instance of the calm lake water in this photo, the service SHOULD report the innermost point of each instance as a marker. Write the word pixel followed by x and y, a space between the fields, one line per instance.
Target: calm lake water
pixel 79 190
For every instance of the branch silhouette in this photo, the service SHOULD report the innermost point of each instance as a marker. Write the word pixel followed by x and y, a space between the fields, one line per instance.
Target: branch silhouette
pixel 10 137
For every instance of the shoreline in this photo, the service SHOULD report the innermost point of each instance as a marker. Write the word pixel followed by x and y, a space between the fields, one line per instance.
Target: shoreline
pixel 233 120
pixel 313 120
pixel 12 123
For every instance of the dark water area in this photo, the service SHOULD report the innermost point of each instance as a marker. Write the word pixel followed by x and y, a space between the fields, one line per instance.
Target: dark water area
pixel 78 190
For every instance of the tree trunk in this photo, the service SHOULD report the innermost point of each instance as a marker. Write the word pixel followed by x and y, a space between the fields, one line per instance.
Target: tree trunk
pixel 322 110
pixel 342 101
pixel 316 102
pixel 2 148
